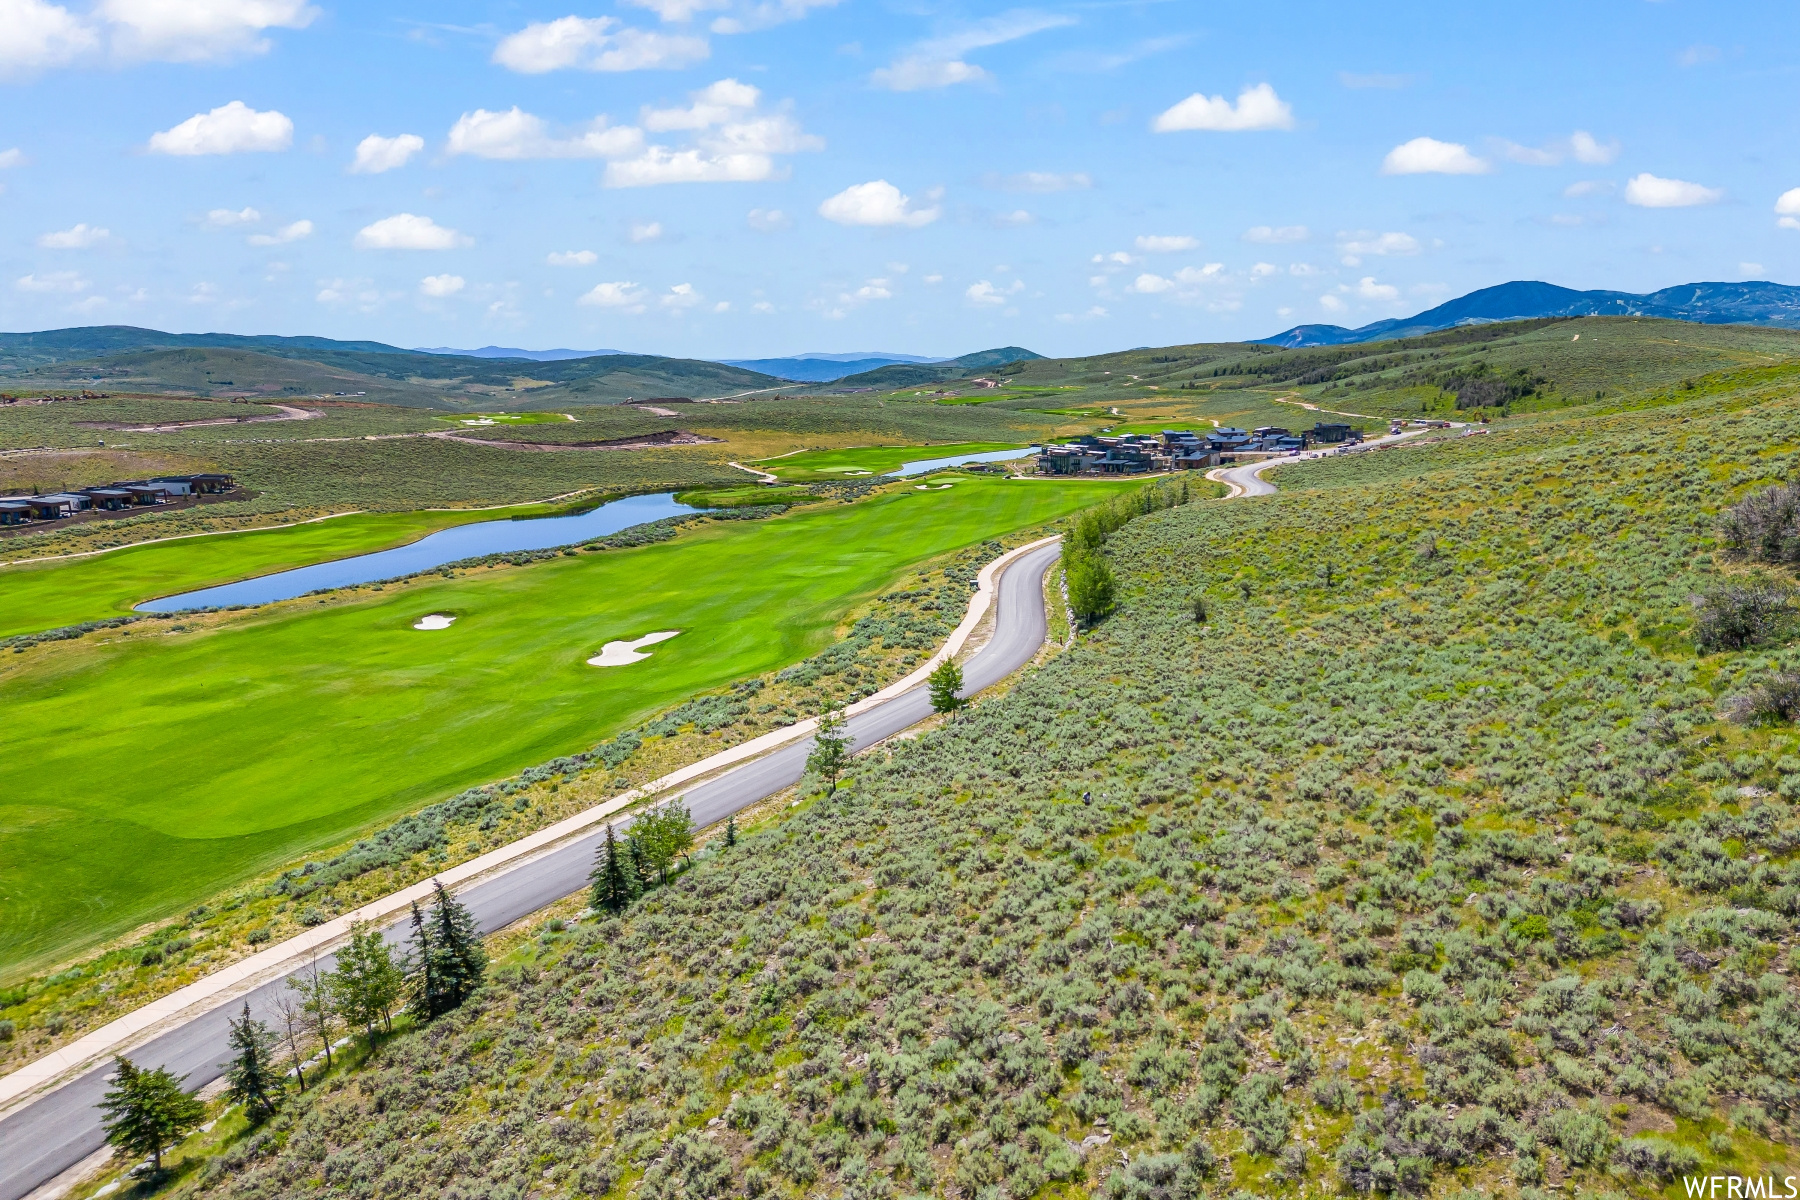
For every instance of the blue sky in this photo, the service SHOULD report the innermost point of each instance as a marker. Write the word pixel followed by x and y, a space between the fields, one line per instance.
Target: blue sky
pixel 744 178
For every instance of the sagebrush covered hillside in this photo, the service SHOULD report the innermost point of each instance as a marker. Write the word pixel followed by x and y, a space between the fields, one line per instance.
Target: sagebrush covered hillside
pixel 1425 863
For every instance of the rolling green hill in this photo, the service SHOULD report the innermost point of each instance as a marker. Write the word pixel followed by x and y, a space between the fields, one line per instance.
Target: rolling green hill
pixel 903 375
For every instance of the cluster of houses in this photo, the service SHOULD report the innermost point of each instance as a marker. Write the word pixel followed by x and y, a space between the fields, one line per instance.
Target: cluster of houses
pixel 113 497
pixel 1182 450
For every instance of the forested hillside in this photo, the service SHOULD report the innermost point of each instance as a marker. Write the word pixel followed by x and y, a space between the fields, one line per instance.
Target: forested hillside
pixel 1393 835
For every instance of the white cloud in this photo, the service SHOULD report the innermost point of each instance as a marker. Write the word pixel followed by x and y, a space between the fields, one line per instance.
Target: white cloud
pixel 723 306
pixel 1013 220
pixel 1585 149
pixel 375 154
pixel 1301 270
pixel 1354 247
pixel 284 235
pixel 1167 243
pixel 938 62
pixel 225 218
pixel 1652 191
pixel 623 296
pixel 1428 156
pixel 572 258
pixel 659 164
pixel 12 158
pixel 877 202
pixel 1148 284
pixel 233 128
pixel 1787 207
pixel 987 294
pixel 649 231
pixel 1581 145
pixel 1263 270
pixel 1117 257
pixel 516 134
pixel 35 36
pixel 78 237
pixel 762 306
pixel 404 231
pixel 596 44
pixel 1750 268
pixel 712 105
pixel 440 286
pixel 740 16
pixel 1368 289
pixel 681 296
pixel 1276 235
pixel 1331 303
pixel 767 220
pixel 54 281
pixel 1257 108
pixel 199 30
pixel 1039 181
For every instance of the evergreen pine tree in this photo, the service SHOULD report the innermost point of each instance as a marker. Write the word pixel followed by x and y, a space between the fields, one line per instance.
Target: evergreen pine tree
pixel 423 987
pixel 255 1080
pixel 612 884
pixel 731 831
pixel 643 874
pixel 460 960
pixel 145 1111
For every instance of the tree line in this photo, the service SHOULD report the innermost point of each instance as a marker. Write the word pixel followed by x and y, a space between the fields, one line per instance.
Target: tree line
pixel 1093 591
pixel 145 1111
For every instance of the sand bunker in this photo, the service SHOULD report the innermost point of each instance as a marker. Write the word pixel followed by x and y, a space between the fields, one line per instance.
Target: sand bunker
pixel 926 487
pixel 435 621
pixel 620 654
pixel 856 471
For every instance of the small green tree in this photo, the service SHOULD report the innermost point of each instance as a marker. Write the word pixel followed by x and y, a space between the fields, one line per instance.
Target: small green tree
pixel 368 982
pixel 664 834
pixel 831 749
pixel 317 1008
pixel 643 875
pixel 252 1075
pixel 1092 589
pixel 612 881
pixel 146 1111
pixel 945 682
pixel 293 1024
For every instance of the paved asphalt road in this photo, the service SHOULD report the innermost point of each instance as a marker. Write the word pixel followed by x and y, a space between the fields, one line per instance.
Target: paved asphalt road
pixel 47 1137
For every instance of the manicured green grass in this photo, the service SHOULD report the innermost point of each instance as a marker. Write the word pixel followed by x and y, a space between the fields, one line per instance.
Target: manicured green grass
pixel 147 769
pixel 52 594
pixel 745 497
pixel 813 466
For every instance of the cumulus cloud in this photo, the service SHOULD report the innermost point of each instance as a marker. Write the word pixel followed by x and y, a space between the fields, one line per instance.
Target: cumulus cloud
pixel 572 258
pixel 1149 284
pixel 1368 289
pixel 1787 208
pixel 284 235
pixel 199 30
pixel 877 203
pixel 1653 191
pixel 1581 146
pixel 1276 235
pixel 733 142
pixel 939 62
pixel 1357 245
pixel 517 134
pixel 439 286
pixel 1428 156
pixel 1013 220
pixel 986 294
pixel 12 158
pixel 35 36
pixel 1331 303
pixel 1039 181
pixel 648 231
pixel 1256 108
pixel 53 281
pixel 78 237
pixel 1586 149
pixel 225 218
pixel 233 128
pixel 404 231
pixel 1167 243
pixel 375 154
pixel 681 296
pixel 1263 270
pixel 622 296
pixel 596 44
pixel 767 220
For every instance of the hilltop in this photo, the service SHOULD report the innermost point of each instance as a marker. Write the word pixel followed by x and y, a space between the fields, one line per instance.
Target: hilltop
pixel 1760 303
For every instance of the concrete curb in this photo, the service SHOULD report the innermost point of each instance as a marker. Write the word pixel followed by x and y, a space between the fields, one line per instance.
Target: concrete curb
pixel 121 1035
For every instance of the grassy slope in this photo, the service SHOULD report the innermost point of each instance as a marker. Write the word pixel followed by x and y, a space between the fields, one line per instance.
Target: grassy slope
pixel 146 769
pixel 1460 827
pixel 52 594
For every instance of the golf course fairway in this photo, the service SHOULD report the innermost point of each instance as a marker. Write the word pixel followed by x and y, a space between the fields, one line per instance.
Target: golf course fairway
pixel 57 592
pixel 146 773
pixel 818 466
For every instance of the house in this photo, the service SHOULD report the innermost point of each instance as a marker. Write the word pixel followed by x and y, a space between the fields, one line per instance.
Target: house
pixel 1197 459
pixel 175 485
pixel 15 510
pixel 145 493
pixel 110 499
pixel 52 508
pixel 211 484
pixel 1330 434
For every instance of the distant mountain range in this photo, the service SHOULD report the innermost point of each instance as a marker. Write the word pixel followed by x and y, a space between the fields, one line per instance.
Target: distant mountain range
pixel 515 352
pixel 824 368
pixel 1758 303
pixel 918 374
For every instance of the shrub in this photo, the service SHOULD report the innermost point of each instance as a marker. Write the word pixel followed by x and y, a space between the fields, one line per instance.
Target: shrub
pixel 1581 1136
pixel 1739 616
pixel 1657 1158
pixel 1776 700
pixel 1764 526
pixel 1261 1112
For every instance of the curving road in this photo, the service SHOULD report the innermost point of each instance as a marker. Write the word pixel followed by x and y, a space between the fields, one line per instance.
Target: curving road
pixel 48 1136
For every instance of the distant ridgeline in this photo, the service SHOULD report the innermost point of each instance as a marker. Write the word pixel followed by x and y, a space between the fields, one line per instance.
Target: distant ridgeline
pixel 265 367
pixel 1706 303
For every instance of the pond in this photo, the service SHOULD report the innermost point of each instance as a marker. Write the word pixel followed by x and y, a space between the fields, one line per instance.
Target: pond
pixel 937 464
pixel 434 550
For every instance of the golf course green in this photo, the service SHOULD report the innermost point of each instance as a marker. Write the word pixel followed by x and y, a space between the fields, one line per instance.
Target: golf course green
pixel 148 768
pixel 55 593
pixel 816 466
